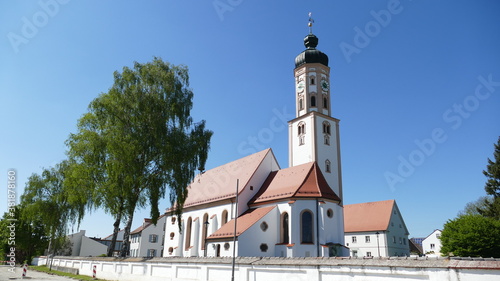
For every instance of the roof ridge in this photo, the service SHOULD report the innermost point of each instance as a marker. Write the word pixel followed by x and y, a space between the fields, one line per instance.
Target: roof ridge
pixel 305 178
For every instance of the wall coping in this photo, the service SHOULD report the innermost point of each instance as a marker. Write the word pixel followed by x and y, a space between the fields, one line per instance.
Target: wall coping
pixel 409 262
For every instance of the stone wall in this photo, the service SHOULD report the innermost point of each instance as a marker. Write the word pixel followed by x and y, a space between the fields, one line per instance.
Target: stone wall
pixel 285 269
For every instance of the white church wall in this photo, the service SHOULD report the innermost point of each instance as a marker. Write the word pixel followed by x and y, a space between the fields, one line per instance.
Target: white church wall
pixel 329 152
pixel 301 153
pixel 247 192
pixel 260 239
pixel 332 228
pixel 176 246
pixel 276 269
pixel 300 249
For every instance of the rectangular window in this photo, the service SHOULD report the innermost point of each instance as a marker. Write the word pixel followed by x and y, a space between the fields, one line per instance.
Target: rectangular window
pixel 354 239
pixel 393 239
pixel 367 239
pixel 433 246
pixel 368 254
pixel 400 240
pixel 355 253
pixel 153 238
pixel 151 253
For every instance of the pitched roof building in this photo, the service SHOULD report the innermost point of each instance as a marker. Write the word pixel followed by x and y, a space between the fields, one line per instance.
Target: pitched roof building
pixel 254 207
pixel 375 229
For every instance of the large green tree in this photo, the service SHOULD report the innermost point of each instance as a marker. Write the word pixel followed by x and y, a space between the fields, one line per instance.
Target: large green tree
pixel 492 186
pixel 47 199
pixel 471 236
pixel 138 139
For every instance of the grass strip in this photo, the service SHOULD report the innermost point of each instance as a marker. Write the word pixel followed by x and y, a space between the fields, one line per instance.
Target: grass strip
pixel 43 268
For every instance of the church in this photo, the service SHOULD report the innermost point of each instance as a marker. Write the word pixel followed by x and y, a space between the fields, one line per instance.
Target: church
pixel 252 207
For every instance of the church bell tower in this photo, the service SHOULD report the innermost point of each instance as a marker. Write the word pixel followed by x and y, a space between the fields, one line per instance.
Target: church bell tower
pixel 314 134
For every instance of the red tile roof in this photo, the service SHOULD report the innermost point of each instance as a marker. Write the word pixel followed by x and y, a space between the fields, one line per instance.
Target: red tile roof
pixel 245 221
pixel 371 216
pixel 220 183
pixel 302 181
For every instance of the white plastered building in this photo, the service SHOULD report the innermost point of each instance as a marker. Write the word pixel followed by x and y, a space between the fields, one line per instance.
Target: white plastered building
pixel 375 229
pixel 431 245
pixel 291 212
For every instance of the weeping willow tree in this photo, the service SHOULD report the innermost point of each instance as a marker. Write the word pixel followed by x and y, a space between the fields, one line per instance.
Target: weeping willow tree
pixel 138 141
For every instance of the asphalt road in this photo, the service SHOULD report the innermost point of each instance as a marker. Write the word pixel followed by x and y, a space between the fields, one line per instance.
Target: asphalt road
pixel 5 275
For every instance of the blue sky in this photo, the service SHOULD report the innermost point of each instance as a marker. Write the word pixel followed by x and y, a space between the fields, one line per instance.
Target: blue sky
pixel 416 85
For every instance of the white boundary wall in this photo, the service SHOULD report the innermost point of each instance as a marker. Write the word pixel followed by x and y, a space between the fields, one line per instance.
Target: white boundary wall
pixel 289 269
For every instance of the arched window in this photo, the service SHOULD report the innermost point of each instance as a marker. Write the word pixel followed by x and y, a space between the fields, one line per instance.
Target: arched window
pixel 204 231
pixel 307 227
pixel 327 166
pixel 301 132
pixel 224 218
pixel 327 140
pixel 325 102
pixel 188 233
pixel 313 101
pixel 326 128
pixel 313 80
pixel 285 234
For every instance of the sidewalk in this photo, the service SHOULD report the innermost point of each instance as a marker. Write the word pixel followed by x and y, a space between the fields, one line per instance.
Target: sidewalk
pixel 32 275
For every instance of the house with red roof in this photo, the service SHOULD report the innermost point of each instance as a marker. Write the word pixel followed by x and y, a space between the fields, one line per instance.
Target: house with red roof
pixel 375 229
pixel 253 207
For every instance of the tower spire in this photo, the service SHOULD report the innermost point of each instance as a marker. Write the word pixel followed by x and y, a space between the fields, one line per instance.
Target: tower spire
pixel 310 24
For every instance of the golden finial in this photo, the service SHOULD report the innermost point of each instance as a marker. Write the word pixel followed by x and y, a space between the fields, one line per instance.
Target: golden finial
pixel 310 24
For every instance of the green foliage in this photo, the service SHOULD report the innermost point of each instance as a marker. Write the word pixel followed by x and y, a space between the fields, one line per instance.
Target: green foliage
pixel 61 273
pixel 478 207
pixel 138 139
pixel 471 235
pixel 29 239
pixel 492 186
pixel 492 172
pixel 47 199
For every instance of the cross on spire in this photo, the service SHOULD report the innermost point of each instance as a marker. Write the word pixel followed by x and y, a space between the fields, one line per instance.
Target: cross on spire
pixel 310 24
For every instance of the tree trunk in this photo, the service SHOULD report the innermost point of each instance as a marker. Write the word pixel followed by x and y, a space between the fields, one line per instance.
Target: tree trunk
pixel 126 235
pixel 116 229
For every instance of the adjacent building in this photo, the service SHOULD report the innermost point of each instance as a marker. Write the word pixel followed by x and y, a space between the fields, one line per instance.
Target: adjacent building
pixel 431 245
pixel 84 246
pixel 375 229
pixel 147 240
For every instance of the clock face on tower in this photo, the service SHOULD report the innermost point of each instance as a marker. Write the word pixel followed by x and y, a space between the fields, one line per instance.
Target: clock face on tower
pixel 300 87
pixel 324 85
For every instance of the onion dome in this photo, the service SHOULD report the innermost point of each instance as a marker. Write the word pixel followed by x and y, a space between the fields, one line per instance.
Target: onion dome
pixel 311 54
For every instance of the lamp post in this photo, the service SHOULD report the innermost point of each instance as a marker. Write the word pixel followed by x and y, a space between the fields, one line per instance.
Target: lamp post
pixel 206 234
pixel 378 246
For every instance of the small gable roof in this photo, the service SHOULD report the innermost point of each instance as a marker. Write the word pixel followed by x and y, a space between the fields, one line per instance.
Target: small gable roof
pixel 147 222
pixel 245 221
pixel 302 181
pixel 220 183
pixel 371 216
